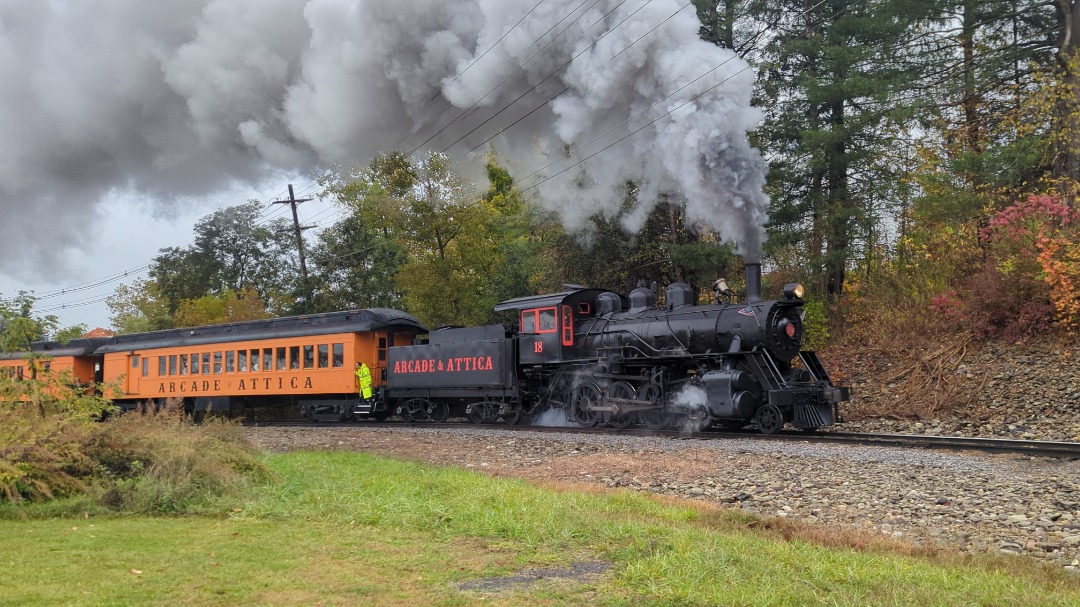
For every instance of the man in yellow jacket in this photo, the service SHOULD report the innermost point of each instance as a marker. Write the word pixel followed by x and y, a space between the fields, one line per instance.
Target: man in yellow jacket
pixel 363 377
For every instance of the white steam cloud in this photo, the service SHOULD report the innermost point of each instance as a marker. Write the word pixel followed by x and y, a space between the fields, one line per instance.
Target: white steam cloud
pixel 179 99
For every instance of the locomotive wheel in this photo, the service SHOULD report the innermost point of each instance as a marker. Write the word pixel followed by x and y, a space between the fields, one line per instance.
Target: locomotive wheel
pixel 769 419
pixel 513 418
pixel 438 412
pixel 585 396
pixel 380 416
pixel 655 419
pixel 620 389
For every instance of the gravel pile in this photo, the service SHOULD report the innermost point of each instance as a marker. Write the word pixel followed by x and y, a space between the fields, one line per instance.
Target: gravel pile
pixel 1028 391
pixel 966 502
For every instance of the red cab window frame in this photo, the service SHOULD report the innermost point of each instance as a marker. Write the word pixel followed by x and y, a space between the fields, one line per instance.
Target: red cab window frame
pixel 567 326
pixel 536 314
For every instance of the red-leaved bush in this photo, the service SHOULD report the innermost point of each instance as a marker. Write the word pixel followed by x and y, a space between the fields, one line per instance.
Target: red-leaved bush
pixel 1032 279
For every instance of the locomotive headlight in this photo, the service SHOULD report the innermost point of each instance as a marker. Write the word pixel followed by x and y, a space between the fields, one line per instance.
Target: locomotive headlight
pixel 794 290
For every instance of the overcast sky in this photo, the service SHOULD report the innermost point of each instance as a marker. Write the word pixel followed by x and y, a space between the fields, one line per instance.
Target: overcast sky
pixel 134 233
pixel 125 121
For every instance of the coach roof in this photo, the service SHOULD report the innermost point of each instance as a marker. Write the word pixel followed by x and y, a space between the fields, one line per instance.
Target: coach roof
pixel 77 347
pixel 349 321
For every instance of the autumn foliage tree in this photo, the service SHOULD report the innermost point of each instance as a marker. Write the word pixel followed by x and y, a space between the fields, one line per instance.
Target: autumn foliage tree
pixel 1034 246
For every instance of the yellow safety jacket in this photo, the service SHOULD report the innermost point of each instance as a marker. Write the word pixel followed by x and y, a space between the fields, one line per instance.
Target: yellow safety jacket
pixel 363 376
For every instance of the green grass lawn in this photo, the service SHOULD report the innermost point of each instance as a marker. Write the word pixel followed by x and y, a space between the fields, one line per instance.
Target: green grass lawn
pixel 352 529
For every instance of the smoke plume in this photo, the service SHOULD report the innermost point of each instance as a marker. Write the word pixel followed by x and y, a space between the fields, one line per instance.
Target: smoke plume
pixel 172 100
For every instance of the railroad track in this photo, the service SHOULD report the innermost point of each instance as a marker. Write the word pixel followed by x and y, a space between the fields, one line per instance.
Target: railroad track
pixel 1050 449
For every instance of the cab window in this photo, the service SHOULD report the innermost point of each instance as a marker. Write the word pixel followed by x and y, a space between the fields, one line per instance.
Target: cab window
pixel 543 320
pixel 547 320
pixel 528 321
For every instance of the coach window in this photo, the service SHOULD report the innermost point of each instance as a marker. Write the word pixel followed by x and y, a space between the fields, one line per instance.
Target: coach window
pixel 217 363
pixel 241 360
pixel 339 355
pixel 195 363
pixel 230 361
pixel 324 356
pixel 161 366
pixel 309 357
pixel 280 360
pixel 268 359
pixel 382 349
pixel 255 359
pixel 206 363
pixel 48 366
pixel 172 364
pixel 183 364
pixel 135 361
pixel 19 373
pixel 145 366
pixel 294 357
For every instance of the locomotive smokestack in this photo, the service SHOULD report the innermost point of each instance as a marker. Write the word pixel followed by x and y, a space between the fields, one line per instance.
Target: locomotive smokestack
pixel 753 282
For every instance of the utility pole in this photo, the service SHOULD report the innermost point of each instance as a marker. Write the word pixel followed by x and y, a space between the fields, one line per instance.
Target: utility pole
pixel 292 202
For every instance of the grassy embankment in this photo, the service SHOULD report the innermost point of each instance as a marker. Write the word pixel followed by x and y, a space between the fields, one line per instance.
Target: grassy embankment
pixel 352 529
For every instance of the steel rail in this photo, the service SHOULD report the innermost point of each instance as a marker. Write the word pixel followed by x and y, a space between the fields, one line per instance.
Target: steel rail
pixel 1048 449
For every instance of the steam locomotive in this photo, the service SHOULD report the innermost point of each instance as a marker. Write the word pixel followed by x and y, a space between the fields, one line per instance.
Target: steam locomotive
pixel 592 356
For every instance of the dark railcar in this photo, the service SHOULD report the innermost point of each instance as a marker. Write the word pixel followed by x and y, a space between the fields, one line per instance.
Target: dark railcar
pixel 460 371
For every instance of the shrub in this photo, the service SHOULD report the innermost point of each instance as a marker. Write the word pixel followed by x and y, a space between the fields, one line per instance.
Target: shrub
pixel 157 461
pixel 816 325
pixel 153 461
pixel 41 457
pixel 1035 248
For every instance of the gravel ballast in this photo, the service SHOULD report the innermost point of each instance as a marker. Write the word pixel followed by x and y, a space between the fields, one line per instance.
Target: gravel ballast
pixel 966 502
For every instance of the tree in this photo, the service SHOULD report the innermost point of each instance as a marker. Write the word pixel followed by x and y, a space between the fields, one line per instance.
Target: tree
pixel 137 308
pixel 836 78
pixel 232 251
pixel 354 266
pixel 230 306
pixel 416 236
pixel 19 326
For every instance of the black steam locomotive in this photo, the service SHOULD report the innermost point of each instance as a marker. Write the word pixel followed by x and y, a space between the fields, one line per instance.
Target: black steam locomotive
pixel 591 356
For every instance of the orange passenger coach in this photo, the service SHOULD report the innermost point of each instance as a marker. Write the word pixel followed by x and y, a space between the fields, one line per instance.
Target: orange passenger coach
pixel 306 361
pixel 76 356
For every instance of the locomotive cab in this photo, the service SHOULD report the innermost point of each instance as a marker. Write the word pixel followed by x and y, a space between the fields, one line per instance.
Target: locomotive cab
pixel 547 329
